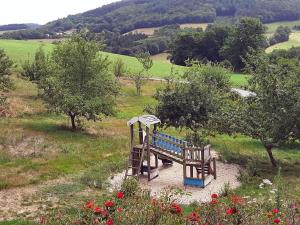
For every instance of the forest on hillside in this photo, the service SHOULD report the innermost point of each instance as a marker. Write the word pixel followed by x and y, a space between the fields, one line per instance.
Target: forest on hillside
pixel 124 16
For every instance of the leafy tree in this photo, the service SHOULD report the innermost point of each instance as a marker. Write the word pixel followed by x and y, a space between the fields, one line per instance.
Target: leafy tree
pixel 273 115
pixel 5 71
pixel 79 83
pixel 140 77
pixel 282 34
pixel 119 68
pixel 37 69
pixel 248 35
pixel 193 103
pixel 5 81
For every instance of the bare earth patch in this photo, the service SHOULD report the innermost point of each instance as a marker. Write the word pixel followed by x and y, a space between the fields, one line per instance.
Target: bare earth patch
pixel 173 177
pixel 21 202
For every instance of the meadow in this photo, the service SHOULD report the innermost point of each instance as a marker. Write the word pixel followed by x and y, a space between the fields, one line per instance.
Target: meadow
pixel 23 50
pixel 294 41
pixel 150 30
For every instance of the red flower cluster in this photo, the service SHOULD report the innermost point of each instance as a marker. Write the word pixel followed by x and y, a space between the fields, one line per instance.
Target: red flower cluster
pixel 109 204
pixel 109 222
pixel 194 217
pixel 120 195
pixel 175 208
pixel 214 196
pixel 89 204
pixel 214 199
pixel 275 211
pixel 276 221
pixel 230 211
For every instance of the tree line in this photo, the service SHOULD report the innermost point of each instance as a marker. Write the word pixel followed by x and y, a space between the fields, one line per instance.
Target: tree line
pixel 125 16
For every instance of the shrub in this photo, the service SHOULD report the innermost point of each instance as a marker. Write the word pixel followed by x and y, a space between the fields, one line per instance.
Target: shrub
pixel 130 187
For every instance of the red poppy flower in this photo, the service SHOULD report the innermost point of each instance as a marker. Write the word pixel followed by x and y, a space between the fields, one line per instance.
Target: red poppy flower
pixel 89 204
pixel 109 204
pixel 120 195
pixel 104 214
pixel 277 221
pixel 214 196
pixel 194 217
pixel 275 211
pixel 97 210
pixel 214 201
pixel 109 222
pixel 120 209
pixel 230 211
pixel 176 208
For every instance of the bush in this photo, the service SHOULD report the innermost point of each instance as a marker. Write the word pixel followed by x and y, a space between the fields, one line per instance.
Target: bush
pixel 130 187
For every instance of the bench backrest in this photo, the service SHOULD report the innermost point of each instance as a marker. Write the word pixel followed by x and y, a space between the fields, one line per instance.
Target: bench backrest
pixel 167 142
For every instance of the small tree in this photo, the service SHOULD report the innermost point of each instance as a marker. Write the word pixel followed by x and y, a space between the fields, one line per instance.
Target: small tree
pixel 140 77
pixel 119 68
pixel 5 81
pixel 273 115
pixel 193 103
pixel 38 68
pixel 5 71
pixel 79 83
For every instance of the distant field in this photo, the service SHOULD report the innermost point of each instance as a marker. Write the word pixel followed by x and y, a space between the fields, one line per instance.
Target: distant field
pixel 150 31
pixel 273 26
pixel 293 42
pixel 163 57
pixel 22 50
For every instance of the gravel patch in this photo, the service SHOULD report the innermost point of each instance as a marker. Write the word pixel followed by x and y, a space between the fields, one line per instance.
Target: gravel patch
pixel 172 177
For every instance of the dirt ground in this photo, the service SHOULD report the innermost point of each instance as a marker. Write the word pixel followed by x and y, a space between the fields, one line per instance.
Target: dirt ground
pixel 172 176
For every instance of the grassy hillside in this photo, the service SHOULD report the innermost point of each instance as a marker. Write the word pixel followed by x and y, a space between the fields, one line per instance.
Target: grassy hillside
pixel 150 31
pixel 42 148
pixel 273 26
pixel 294 41
pixel 22 50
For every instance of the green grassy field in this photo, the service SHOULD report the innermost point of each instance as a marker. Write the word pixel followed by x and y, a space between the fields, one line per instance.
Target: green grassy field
pixel 294 41
pixel 22 50
pixel 273 26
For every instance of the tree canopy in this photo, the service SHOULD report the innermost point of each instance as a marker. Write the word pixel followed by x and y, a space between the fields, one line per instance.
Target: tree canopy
pixel 5 71
pixel 79 83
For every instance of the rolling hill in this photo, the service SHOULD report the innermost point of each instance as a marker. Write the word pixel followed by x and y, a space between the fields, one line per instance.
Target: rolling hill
pixel 128 15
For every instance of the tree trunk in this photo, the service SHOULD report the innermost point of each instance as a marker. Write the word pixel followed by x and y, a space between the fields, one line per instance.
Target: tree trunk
pixel 270 153
pixel 72 116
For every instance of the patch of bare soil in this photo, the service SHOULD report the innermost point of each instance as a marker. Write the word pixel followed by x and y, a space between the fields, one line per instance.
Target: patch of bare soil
pixel 30 147
pixel 22 202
